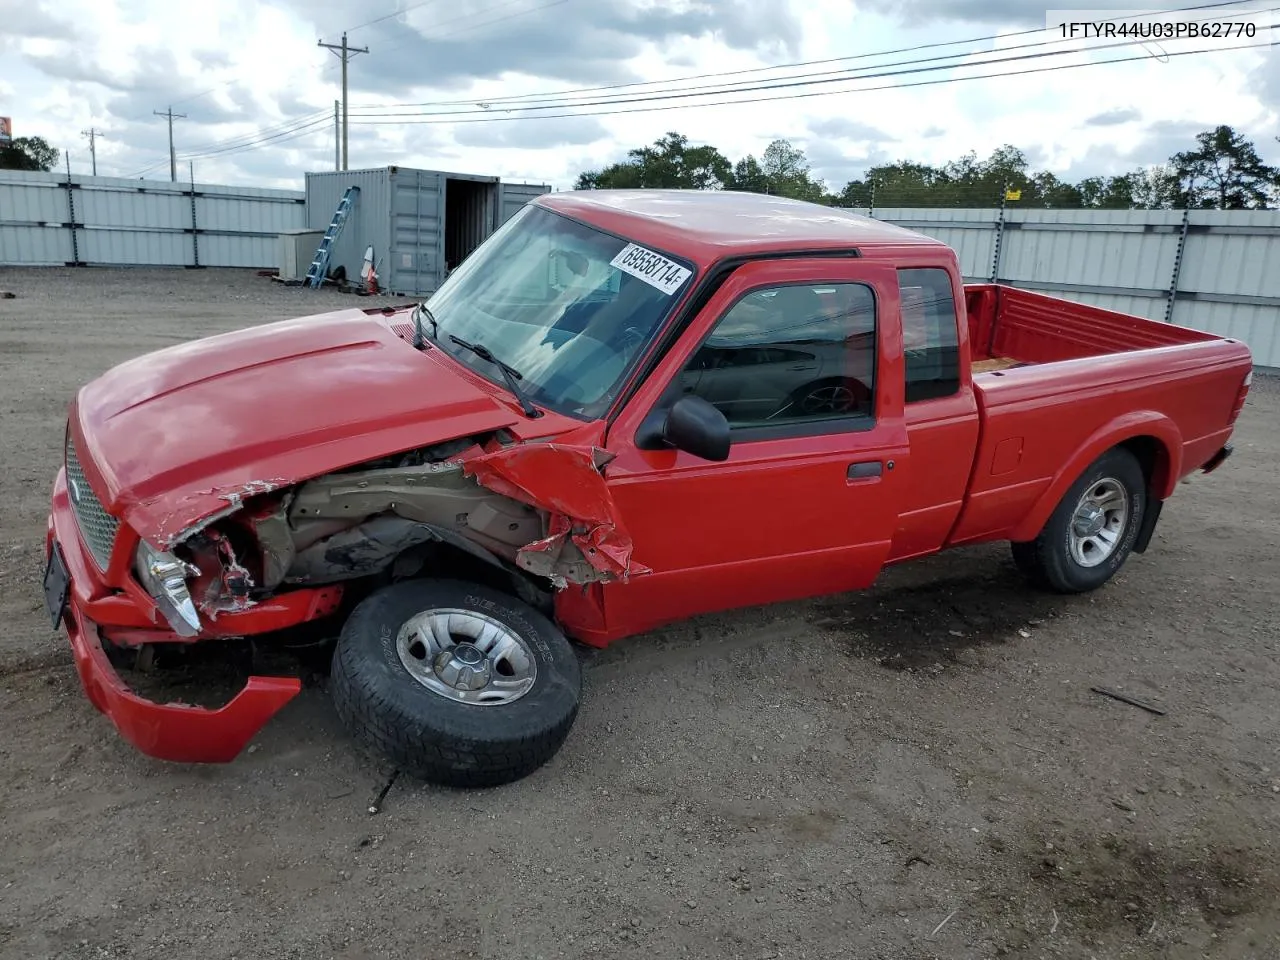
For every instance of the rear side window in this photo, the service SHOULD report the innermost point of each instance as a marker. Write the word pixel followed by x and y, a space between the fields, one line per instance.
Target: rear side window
pixel 929 334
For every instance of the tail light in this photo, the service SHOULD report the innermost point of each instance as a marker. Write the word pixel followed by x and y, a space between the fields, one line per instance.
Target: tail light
pixel 1241 395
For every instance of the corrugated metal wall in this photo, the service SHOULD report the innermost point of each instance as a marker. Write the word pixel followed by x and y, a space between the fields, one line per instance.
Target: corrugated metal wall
pixel 46 220
pixel 1227 278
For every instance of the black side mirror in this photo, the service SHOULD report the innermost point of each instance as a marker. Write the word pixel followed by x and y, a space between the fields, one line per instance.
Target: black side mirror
pixel 696 427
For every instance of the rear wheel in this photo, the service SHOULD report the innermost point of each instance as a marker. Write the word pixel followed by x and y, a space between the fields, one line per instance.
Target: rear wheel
pixel 1092 531
pixel 455 683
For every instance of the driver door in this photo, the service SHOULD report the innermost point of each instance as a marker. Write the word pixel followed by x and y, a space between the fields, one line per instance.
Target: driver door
pixel 807 501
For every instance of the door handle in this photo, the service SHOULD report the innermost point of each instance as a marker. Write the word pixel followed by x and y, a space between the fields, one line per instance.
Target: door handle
pixel 864 470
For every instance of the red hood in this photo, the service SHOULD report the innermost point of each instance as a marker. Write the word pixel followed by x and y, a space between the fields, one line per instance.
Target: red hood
pixel 175 437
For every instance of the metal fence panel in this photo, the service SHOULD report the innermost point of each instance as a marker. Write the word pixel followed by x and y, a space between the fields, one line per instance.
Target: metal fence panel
pixel 48 218
pixel 1213 270
pixel 34 246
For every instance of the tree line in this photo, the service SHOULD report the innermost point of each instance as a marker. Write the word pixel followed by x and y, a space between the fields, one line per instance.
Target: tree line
pixel 1222 171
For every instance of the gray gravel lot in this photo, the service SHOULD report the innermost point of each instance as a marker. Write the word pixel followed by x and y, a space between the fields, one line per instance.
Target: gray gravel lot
pixel 813 780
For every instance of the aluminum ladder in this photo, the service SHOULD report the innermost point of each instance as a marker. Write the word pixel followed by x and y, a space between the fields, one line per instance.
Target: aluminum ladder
pixel 319 268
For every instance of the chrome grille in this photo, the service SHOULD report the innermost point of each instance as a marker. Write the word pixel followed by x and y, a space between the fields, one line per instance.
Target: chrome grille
pixel 97 527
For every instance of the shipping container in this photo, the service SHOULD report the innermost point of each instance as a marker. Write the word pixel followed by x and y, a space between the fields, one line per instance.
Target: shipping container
pixel 420 223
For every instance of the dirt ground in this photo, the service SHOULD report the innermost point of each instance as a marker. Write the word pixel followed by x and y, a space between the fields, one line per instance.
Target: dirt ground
pixel 918 771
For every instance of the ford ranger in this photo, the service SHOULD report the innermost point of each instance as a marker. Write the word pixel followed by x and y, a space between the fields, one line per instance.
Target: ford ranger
pixel 625 408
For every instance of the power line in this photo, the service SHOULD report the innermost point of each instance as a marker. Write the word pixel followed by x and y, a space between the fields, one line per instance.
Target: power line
pixel 395 13
pixel 253 142
pixel 820 93
pixel 300 127
pixel 292 133
pixel 556 94
pixel 252 136
pixel 244 139
pixel 778 83
pixel 304 129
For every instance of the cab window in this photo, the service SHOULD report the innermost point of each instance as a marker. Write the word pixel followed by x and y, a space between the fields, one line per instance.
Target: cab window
pixel 929 334
pixel 790 354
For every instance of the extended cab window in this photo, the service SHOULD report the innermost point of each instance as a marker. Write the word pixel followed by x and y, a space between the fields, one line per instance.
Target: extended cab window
pixel 794 353
pixel 929 333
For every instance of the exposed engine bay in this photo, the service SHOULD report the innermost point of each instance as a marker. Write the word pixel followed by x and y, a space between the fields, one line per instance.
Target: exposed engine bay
pixel 527 510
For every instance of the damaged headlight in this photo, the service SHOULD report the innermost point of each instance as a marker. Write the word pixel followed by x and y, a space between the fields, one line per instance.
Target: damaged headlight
pixel 165 577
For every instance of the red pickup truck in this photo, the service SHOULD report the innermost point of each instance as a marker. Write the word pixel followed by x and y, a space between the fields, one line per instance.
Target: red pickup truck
pixel 623 409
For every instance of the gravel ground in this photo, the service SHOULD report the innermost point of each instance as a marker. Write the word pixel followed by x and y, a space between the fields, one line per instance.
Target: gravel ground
pixel 916 771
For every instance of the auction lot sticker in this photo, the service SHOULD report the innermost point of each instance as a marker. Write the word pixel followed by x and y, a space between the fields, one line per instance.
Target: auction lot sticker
pixel 653 268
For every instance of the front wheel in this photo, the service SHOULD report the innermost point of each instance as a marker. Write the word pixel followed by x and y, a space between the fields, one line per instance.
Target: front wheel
pixel 1092 530
pixel 455 683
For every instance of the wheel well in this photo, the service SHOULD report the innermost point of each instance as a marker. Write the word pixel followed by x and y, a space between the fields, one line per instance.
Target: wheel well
pixel 1152 457
pixel 447 560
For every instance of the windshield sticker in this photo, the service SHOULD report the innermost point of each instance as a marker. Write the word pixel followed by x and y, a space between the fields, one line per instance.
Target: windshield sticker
pixel 654 269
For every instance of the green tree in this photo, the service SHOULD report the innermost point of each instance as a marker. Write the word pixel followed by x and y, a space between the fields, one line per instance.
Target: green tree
pixel 1224 172
pixel 1157 188
pixel 787 171
pixel 1107 193
pixel 1048 191
pixel 669 163
pixel 900 184
pixel 749 176
pixel 28 153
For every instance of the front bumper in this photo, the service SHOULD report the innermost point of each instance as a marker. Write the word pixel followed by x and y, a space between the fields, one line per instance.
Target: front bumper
pixel 167 731
pixel 174 731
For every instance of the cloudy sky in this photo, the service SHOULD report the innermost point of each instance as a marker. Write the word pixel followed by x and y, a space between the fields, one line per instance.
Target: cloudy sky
pixel 258 92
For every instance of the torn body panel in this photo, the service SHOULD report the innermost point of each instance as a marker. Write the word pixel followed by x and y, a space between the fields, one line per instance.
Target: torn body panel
pixel 586 540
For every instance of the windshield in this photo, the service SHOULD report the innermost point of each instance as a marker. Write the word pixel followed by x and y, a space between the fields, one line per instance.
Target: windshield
pixel 566 307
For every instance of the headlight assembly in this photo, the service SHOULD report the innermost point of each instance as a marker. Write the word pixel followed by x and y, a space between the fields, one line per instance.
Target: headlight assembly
pixel 164 576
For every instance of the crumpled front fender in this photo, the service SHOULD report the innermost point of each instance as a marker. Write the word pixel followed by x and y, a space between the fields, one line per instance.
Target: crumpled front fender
pixel 586 539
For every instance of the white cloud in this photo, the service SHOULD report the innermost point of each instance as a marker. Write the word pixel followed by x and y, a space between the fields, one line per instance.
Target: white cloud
pixel 241 69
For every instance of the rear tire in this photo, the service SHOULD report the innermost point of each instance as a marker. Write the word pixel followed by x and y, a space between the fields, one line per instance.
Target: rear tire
pixel 455 683
pixel 1092 531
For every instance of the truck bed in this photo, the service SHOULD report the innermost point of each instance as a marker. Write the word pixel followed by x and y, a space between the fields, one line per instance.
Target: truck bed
pixel 1009 326
pixel 1056 383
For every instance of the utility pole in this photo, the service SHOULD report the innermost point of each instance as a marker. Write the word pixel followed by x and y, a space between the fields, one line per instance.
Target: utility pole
pixel 344 53
pixel 93 135
pixel 173 160
pixel 337 138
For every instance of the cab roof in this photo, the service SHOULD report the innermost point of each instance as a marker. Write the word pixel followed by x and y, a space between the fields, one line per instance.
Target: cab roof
pixel 707 225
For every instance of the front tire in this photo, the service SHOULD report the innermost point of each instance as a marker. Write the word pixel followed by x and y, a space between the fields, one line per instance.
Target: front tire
pixel 1092 531
pixel 455 683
